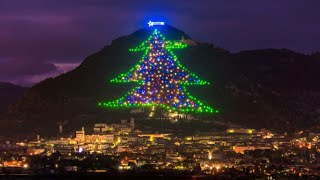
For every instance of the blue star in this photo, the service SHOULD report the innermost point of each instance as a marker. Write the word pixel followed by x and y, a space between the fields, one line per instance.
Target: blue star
pixel 150 23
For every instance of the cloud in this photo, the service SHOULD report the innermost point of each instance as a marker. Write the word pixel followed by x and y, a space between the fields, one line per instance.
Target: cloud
pixel 29 66
pixel 29 79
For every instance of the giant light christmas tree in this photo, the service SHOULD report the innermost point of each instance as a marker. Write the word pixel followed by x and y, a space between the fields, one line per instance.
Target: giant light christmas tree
pixel 161 79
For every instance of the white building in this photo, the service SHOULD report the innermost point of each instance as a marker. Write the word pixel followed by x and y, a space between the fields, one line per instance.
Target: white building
pixel 80 136
pixel 100 128
pixel 99 138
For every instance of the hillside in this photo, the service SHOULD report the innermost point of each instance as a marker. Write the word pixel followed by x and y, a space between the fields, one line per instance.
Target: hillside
pixel 272 88
pixel 9 93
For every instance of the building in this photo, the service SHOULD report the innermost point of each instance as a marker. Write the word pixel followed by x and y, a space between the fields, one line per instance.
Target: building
pixel 242 148
pixel 100 138
pixel 190 42
pixel 80 136
pixel 65 148
pixel 101 128
pixel 240 131
pixel 124 126
pixel 151 137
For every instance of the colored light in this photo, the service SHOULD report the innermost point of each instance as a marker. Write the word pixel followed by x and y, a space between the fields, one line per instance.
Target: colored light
pixel 160 78
pixel 151 23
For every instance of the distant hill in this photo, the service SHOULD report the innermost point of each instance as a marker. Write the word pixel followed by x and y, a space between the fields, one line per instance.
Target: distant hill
pixel 272 88
pixel 9 94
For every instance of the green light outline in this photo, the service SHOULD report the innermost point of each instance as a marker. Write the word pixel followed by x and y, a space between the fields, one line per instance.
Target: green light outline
pixel 171 45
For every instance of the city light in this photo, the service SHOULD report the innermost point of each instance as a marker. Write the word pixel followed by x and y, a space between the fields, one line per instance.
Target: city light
pixel 211 153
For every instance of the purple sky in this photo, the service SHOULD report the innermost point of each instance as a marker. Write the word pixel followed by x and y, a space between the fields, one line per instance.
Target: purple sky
pixel 42 38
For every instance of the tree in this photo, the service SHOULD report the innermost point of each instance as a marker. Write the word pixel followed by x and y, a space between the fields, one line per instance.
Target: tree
pixel 161 79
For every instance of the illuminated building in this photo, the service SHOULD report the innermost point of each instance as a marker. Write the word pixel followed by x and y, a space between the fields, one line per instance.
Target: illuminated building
pixel 242 148
pixel 15 163
pixel 132 123
pixel 100 128
pixel 100 138
pixel 80 135
pixel 190 42
pixel 240 131
pixel 124 126
pixel 154 135
pixel 65 148
pixel 35 151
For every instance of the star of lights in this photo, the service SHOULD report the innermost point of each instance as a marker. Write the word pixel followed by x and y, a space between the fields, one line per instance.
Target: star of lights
pixel 161 79
pixel 151 23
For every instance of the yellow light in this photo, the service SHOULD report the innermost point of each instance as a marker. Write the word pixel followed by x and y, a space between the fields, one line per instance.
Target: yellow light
pixel 230 130
pixel 217 167
pixel 151 139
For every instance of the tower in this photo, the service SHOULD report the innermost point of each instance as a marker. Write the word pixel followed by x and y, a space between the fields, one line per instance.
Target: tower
pixel 132 123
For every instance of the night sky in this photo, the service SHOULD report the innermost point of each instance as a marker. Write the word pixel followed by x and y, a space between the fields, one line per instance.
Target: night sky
pixel 42 38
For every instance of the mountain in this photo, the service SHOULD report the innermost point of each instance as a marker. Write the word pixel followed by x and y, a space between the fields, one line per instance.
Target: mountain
pixel 9 93
pixel 276 89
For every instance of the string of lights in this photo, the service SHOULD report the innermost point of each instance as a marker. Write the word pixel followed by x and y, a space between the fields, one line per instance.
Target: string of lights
pixel 160 78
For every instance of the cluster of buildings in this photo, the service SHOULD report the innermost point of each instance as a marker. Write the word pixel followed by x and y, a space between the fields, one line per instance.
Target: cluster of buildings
pixel 236 150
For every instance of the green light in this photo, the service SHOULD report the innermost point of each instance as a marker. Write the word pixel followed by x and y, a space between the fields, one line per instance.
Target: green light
pixel 150 63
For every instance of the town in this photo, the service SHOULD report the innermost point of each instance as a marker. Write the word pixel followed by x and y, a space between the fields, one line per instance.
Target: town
pixel 120 148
